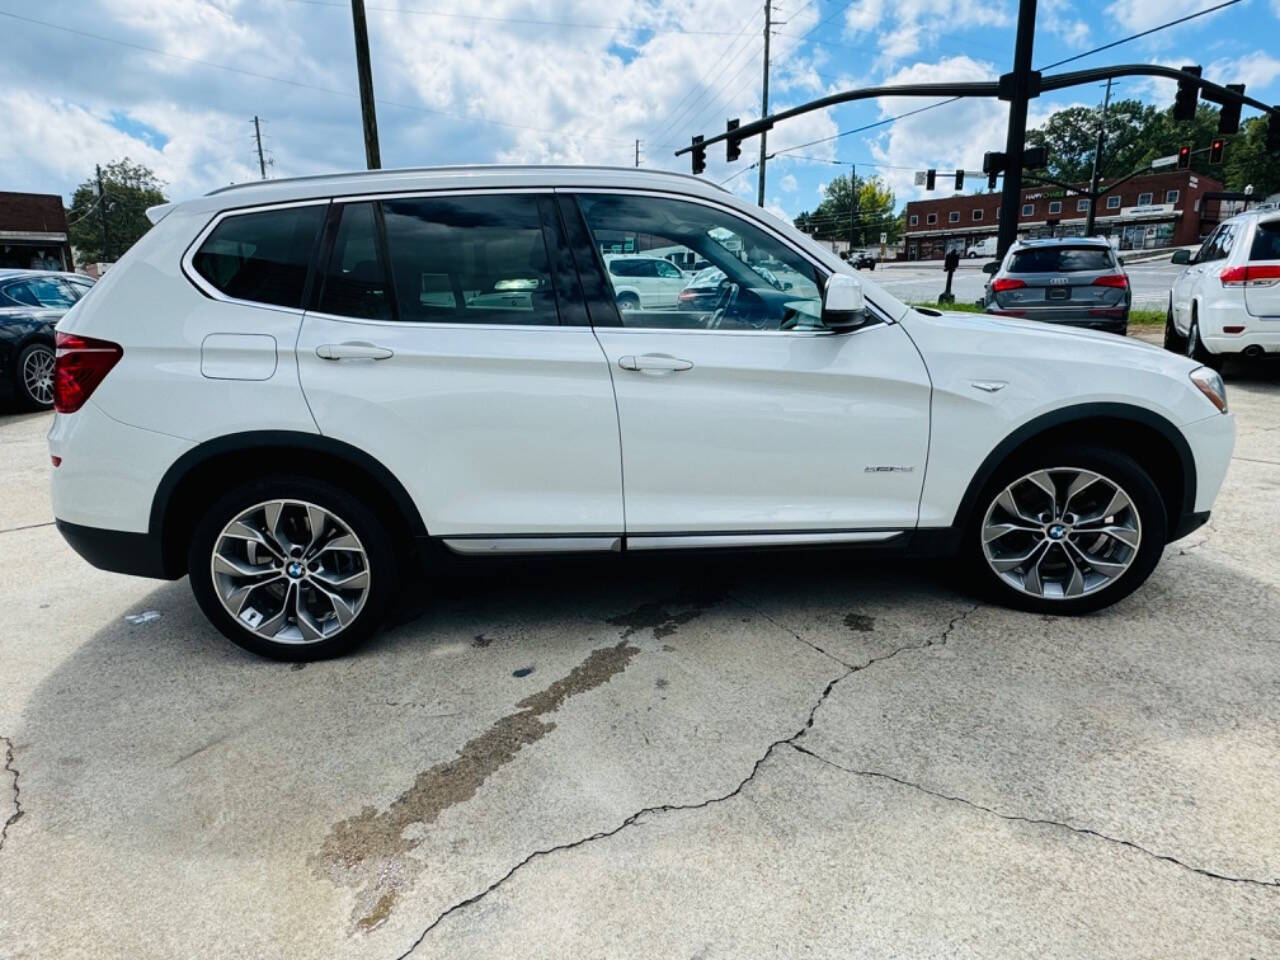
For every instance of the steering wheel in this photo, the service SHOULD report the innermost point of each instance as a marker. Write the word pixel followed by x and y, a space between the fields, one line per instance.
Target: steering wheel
pixel 724 303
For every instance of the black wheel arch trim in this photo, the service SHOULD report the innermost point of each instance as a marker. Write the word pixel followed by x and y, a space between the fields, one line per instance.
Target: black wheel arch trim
pixel 279 440
pixel 1079 412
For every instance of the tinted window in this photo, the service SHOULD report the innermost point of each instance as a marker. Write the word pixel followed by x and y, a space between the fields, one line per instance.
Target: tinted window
pixel 1060 260
pixel 470 260
pixel 1266 241
pixel 355 283
pixel 666 270
pixel 263 256
pixel 40 292
pixel 769 286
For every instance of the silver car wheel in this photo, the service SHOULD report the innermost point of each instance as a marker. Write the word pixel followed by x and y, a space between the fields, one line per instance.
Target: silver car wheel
pixel 37 375
pixel 1061 532
pixel 290 572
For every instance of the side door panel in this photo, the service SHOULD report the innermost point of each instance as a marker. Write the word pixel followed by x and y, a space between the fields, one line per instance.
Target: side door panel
pixel 500 427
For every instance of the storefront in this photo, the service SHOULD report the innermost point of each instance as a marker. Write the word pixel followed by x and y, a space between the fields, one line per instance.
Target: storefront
pixel 33 232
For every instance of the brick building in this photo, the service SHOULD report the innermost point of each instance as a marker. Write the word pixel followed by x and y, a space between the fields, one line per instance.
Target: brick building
pixel 33 232
pixel 1152 210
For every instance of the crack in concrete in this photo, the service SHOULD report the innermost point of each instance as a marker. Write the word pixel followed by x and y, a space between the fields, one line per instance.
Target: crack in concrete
pixel 17 792
pixel 634 818
pixel 28 526
pixel 1017 818
pixel 1272 463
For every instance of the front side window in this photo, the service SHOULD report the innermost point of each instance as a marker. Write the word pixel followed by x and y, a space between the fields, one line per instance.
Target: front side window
pixel 666 271
pixel 262 256
pixel 477 259
pixel 40 292
pixel 752 282
pixel 355 283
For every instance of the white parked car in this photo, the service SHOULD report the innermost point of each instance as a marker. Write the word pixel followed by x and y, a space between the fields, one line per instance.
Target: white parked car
pixel 291 391
pixel 644 282
pixel 1227 301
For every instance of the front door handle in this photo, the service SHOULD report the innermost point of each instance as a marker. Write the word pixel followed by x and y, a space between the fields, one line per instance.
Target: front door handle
pixel 353 350
pixel 654 363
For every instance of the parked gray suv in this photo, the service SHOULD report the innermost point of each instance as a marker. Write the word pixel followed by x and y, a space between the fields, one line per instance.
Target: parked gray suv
pixel 1077 281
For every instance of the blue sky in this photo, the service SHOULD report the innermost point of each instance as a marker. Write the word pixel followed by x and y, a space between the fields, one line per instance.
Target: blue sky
pixel 176 83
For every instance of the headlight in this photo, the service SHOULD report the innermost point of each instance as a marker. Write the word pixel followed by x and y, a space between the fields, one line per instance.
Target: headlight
pixel 1209 382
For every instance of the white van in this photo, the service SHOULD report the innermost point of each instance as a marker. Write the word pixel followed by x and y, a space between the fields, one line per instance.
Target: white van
pixel 986 247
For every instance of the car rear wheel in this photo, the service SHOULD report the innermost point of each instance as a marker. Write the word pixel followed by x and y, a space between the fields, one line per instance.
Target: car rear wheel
pixel 292 568
pixel 34 371
pixel 1067 530
pixel 1195 347
pixel 1173 342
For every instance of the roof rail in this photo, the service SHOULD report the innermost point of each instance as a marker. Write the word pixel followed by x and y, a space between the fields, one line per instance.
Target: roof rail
pixel 459 168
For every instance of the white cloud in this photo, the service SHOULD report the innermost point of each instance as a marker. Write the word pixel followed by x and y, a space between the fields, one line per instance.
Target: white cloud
pixel 1255 70
pixel 788 183
pixel 1135 15
pixel 904 27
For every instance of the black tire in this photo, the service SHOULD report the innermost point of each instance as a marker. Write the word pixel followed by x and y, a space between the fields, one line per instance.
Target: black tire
pixel 1195 346
pixel 628 301
pixel 370 530
pixel 1115 467
pixel 29 400
pixel 1173 341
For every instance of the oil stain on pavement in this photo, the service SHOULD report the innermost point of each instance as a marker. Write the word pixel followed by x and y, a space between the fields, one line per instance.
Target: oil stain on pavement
pixel 367 851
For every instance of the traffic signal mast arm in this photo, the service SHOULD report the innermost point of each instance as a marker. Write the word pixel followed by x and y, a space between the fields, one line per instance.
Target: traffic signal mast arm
pixel 991 88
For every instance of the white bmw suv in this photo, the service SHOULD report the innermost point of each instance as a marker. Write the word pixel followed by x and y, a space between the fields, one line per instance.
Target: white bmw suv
pixel 291 391
pixel 1227 301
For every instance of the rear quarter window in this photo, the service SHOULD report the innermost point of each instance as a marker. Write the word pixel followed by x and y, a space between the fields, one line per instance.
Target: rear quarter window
pixel 261 257
pixel 1266 241
pixel 1060 260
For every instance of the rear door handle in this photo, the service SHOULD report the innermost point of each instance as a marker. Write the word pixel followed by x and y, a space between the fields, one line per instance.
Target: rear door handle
pixel 353 350
pixel 654 363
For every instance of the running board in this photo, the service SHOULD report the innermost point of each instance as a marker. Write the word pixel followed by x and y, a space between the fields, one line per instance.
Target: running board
pixel 513 546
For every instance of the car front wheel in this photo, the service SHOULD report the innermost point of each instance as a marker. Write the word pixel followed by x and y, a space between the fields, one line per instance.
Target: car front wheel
pixel 292 568
pixel 1173 342
pixel 1067 530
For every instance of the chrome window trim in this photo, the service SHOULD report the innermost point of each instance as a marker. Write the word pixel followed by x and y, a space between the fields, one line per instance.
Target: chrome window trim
pixel 694 541
pixel 432 325
pixel 204 286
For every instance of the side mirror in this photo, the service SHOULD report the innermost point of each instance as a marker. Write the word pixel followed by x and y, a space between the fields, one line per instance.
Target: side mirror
pixel 843 306
pixel 990 267
pixel 1120 260
pixel 1181 256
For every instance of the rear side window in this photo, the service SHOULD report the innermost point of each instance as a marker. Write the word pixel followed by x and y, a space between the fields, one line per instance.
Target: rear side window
pixel 477 259
pixel 1060 260
pixel 1266 241
pixel 262 257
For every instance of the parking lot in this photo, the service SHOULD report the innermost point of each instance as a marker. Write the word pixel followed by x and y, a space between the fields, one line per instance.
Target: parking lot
pixel 775 755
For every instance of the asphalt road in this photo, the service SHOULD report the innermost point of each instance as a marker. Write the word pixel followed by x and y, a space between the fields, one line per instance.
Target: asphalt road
pixel 773 756
pixel 923 281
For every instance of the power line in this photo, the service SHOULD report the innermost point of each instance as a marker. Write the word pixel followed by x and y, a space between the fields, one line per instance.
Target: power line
pixel 562 24
pixel 311 86
pixel 1144 33
pixel 690 115
pixel 869 126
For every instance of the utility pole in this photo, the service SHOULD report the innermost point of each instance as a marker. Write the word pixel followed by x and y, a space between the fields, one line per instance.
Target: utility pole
pixel 1097 164
pixel 1019 93
pixel 257 135
pixel 853 202
pixel 637 153
pixel 373 158
pixel 764 98
pixel 102 216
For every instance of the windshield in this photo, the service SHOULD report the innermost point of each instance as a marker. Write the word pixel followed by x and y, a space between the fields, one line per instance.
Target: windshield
pixel 1060 260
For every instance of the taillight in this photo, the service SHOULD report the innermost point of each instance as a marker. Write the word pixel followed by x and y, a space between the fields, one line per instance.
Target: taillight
pixel 1005 283
pixel 1251 276
pixel 79 365
pixel 1112 280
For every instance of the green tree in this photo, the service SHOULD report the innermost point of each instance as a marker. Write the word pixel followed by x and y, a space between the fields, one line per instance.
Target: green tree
pixel 874 213
pixel 1247 161
pixel 129 188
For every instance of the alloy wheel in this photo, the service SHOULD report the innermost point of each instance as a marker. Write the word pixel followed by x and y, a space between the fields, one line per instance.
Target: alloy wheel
pixel 37 375
pixel 1061 532
pixel 290 571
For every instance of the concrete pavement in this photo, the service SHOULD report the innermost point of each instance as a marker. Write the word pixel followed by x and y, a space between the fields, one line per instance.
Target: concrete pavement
pixel 785 755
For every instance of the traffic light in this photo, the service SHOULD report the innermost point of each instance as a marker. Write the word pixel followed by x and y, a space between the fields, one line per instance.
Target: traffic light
pixel 930 178
pixel 1184 102
pixel 992 166
pixel 1215 150
pixel 699 155
pixel 959 179
pixel 1033 158
pixel 1184 156
pixel 1229 115
pixel 732 146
